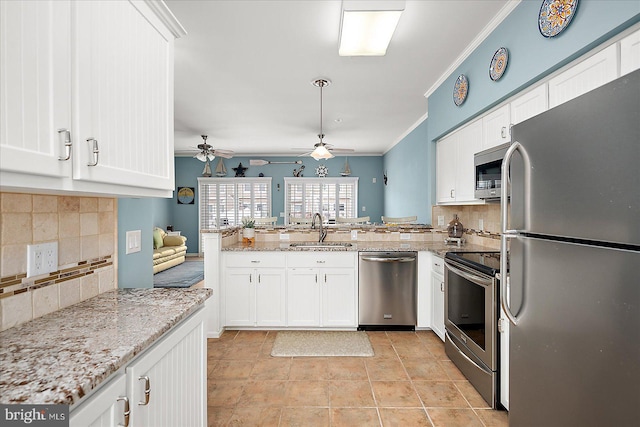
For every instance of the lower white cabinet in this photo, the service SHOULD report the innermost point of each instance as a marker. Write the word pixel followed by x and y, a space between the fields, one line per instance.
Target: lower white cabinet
pixel 437 296
pixel 165 386
pixel 321 289
pixel 107 407
pixel 424 290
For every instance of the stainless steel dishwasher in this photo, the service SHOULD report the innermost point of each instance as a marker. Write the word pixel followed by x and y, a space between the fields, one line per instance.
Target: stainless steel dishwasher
pixel 387 288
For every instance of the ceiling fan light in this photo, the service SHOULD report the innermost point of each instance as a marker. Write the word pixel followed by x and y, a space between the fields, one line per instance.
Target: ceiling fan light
pixel 321 152
pixel 210 156
pixel 201 156
pixel 367 27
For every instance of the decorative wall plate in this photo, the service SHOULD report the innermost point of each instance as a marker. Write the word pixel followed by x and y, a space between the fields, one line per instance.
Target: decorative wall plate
pixel 322 171
pixel 460 90
pixel 498 63
pixel 555 16
pixel 186 195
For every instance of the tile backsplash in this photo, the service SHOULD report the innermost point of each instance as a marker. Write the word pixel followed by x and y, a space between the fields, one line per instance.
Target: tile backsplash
pixel 85 229
pixel 470 216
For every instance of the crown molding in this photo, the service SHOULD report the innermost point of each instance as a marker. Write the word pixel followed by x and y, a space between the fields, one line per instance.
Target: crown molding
pixel 167 17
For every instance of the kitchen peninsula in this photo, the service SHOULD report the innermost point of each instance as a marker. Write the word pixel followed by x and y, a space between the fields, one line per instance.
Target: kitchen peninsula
pixel 268 284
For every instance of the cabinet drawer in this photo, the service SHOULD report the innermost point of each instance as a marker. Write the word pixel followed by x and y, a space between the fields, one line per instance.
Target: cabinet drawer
pixel 255 259
pixel 437 264
pixel 322 259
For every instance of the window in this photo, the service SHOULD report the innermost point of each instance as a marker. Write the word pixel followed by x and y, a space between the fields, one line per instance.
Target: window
pixel 225 201
pixel 332 197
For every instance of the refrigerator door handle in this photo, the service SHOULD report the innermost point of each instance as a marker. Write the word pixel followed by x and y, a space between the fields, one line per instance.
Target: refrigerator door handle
pixel 504 215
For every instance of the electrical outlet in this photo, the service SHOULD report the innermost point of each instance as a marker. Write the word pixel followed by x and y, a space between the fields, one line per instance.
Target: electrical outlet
pixel 481 224
pixel 440 220
pixel 281 214
pixel 354 234
pixel 284 236
pixel 374 180
pixel 405 236
pixel 364 209
pixel 42 258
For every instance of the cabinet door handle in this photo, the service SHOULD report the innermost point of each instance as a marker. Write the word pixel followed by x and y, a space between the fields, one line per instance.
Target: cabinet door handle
pixel 441 286
pixel 126 411
pixel 250 279
pixel 253 261
pixel 316 278
pixel 503 132
pixel 325 278
pixel 259 278
pixel 94 151
pixel 451 194
pixel 320 262
pixel 67 144
pixel 147 390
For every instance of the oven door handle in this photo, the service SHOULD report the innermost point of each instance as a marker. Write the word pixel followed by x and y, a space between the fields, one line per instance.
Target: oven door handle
pixel 469 276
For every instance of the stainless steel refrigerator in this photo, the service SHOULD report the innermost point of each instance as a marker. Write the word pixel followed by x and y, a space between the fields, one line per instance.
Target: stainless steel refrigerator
pixel 573 242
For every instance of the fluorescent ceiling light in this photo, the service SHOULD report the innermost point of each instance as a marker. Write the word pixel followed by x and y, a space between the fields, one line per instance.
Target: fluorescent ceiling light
pixel 367 27
pixel 321 152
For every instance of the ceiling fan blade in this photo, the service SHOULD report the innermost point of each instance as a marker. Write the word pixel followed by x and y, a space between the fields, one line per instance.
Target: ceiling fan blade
pixel 341 150
pixel 227 154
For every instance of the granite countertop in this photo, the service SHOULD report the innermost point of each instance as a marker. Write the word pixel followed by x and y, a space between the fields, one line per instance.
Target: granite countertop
pixel 60 357
pixel 378 246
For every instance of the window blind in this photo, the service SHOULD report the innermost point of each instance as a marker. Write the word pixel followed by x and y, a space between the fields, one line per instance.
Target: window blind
pixel 332 197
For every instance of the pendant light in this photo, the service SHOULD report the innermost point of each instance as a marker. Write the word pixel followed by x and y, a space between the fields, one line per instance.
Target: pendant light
pixel 320 151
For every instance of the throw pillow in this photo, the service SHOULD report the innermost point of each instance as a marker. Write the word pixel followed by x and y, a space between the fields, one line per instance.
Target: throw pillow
pixel 157 238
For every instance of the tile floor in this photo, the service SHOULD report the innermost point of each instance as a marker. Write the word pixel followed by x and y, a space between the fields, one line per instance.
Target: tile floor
pixel 409 382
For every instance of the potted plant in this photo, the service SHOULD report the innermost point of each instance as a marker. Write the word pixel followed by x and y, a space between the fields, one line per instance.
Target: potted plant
pixel 248 228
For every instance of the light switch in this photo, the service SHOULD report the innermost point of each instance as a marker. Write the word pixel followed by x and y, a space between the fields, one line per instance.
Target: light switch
pixel 374 180
pixel 133 241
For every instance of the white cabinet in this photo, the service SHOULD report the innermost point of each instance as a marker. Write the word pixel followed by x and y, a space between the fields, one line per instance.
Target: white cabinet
pixel 455 180
pixel 424 290
pixel 104 71
pixel 35 77
pixel 322 289
pixel 630 53
pixel 254 289
pixel 496 127
pixel 106 407
pixel 437 295
pixel 589 74
pixel 164 386
pixel 529 104
pixel 167 385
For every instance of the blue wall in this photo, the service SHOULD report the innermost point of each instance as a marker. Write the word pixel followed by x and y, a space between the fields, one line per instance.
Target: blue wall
pixel 409 171
pixel 531 57
pixel 135 270
pixel 370 195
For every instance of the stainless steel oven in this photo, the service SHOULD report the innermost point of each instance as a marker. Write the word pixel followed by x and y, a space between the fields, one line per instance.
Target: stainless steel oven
pixel 471 318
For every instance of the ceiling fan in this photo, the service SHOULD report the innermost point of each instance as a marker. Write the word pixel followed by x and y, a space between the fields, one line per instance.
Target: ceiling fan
pixel 207 152
pixel 322 150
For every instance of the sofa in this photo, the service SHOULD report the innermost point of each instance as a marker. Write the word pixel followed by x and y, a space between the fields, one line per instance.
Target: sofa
pixel 168 250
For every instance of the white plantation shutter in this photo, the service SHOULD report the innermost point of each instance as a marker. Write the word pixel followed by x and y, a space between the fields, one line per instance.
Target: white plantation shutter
pixel 332 197
pixel 225 201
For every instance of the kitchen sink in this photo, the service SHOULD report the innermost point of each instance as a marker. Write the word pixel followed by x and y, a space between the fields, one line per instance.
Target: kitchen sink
pixel 320 245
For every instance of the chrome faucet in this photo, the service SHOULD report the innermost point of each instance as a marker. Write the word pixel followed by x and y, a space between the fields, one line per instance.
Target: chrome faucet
pixel 323 233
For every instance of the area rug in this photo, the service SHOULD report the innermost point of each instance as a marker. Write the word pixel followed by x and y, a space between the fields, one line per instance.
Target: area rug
pixel 322 343
pixel 181 276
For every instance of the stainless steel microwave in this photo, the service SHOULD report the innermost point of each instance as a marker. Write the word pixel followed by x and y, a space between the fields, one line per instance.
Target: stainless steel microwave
pixel 488 164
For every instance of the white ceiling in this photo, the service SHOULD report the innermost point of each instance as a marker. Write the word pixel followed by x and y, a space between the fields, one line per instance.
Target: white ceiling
pixel 243 73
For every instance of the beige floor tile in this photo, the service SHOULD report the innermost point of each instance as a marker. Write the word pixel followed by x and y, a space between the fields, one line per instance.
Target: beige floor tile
pixel 409 350
pixel 308 368
pixel 443 394
pixel 400 417
pixel 350 394
pixel 346 368
pixel 429 337
pixel 443 417
pixel 385 370
pixel 437 350
pixel 384 351
pixel 275 368
pixel 378 337
pixel 352 417
pixel 224 393
pixel 216 351
pixel 305 417
pixel 425 369
pixel 242 352
pixel 307 393
pixel 471 394
pixel 493 418
pixel 254 416
pixel 395 394
pixel 218 416
pixel 403 337
pixel 231 370
pixel 250 337
pixel 263 393
pixel 265 350
pixel 452 370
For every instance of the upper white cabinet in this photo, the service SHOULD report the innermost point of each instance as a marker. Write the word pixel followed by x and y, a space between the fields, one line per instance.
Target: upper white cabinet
pixel 495 127
pixel 630 53
pixel 589 74
pixel 455 180
pixel 103 70
pixel 528 105
pixel 35 77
